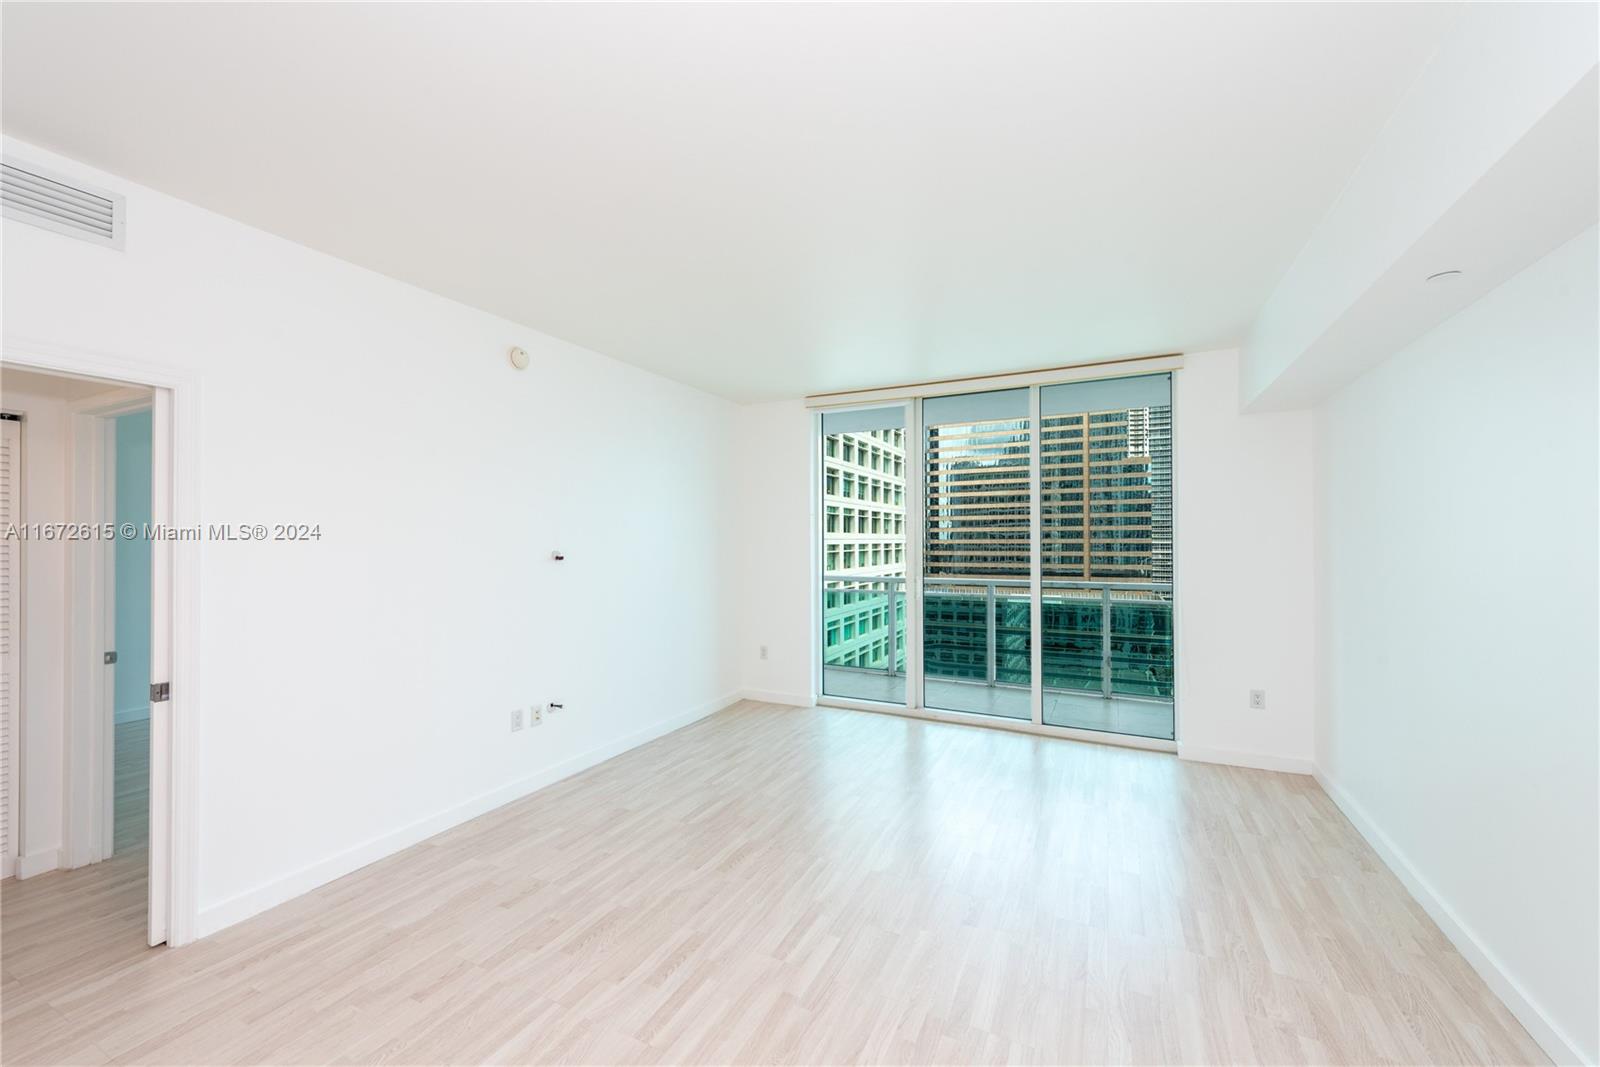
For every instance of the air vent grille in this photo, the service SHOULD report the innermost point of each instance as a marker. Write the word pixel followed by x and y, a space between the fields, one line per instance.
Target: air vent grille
pixel 31 195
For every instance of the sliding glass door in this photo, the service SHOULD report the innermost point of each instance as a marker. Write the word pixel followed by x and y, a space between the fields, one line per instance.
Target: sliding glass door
pixel 864 554
pixel 977 601
pixel 1012 547
pixel 1106 519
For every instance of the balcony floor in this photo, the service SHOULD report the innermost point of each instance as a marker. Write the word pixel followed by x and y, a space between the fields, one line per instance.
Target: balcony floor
pixel 1082 711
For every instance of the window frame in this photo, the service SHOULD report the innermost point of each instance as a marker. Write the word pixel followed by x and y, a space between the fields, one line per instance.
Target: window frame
pixel 910 525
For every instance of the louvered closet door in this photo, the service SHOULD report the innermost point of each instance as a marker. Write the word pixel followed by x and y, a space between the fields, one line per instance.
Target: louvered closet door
pixel 10 580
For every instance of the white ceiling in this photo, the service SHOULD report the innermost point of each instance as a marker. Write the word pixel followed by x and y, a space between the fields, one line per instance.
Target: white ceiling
pixel 761 200
pixel 55 386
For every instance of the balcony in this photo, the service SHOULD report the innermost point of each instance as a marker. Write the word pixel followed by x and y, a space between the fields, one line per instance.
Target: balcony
pixel 1108 649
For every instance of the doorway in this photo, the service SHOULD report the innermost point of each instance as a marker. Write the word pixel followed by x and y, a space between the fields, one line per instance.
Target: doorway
pixel 89 611
pixel 129 435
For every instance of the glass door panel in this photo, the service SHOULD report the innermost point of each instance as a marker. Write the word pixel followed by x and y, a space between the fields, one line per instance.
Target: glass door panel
pixel 977 632
pixel 1106 556
pixel 1063 492
pixel 863 554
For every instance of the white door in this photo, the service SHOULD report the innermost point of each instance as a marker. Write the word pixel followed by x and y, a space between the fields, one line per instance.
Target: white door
pixel 10 628
pixel 160 669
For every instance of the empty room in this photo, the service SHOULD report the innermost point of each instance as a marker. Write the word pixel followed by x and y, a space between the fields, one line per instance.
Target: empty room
pixel 800 533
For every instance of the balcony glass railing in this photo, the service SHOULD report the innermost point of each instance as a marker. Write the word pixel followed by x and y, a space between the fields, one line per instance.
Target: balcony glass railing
pixel 864 637
pixel 977 646
pixel 1108 640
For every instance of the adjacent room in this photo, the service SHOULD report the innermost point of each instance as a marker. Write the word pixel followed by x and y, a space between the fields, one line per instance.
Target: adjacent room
pixel 800 533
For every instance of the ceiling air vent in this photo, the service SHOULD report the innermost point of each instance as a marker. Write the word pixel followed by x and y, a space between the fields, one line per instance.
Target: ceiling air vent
pixel 29 194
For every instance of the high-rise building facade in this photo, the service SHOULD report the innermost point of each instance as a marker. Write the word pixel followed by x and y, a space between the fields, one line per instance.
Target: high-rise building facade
pixel 1106 490
pixel 863 538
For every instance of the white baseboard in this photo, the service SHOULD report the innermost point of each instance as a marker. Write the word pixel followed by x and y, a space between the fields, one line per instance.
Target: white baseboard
pixel 137 713
pixel 767 696
pixel 38 863
pixel 236 909
pixel 1259 761
pixel 1541 1027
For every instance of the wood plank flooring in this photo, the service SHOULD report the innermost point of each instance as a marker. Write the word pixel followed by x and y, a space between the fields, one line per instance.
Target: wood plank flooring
pixel 798 886
pixel 130 821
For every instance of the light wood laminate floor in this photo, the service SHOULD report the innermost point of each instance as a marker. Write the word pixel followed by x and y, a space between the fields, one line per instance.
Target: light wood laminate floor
pixel 782 885
pixel 130 818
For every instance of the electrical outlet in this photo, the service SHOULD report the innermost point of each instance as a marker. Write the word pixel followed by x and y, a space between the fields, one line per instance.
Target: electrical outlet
pixel 1258 699
pixel 763 651
pixel 538 715
pixel 516 720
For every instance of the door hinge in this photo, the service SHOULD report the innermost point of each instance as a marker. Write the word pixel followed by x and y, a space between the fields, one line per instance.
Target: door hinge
pixel 111 657
pixel 160 691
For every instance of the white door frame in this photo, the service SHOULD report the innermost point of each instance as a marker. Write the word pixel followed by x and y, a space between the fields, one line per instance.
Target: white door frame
pixel 13 621
pixel 175 572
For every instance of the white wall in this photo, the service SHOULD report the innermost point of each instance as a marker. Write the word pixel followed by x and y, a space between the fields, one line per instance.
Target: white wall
pixel 45 432
pixel 356 691
pixel 779 606
pixel 1460 706
pixel 1428 184
pixel 1244 566
pixel 1243 547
